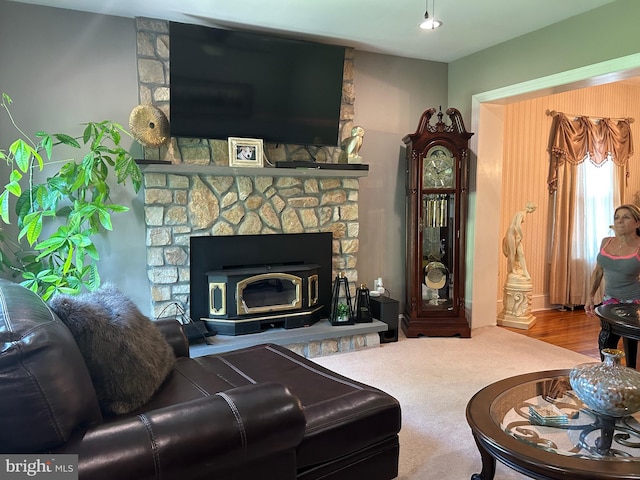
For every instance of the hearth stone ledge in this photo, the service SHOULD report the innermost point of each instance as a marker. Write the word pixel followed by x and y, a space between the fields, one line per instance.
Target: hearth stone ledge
pixel 318 340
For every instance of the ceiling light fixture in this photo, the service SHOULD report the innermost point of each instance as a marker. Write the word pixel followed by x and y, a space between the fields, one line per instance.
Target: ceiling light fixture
pixel 430 23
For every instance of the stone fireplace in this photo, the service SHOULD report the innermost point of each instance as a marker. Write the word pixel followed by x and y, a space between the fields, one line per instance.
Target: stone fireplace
pixel 198 194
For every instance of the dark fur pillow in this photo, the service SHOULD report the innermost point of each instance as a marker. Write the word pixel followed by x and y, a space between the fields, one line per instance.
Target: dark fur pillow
pixel 126 354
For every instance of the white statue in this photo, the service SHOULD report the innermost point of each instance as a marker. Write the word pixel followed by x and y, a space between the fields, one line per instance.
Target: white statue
pixel 351 146
pixel 512 243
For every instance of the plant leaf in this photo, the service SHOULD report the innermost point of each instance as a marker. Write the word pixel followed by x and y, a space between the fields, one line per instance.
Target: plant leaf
pixel 80 240
pixel 54 242
pixel 48 293
pixel 4 207
pixel 21 152
pixel 105 219
pixel 46 143
pixel 92 252
pixel 67 262
pixel 23 207
pixel 14 183
pixel 49 278
pixel 117 208
pixel 66 140
pixel 94 278
pixel 32 227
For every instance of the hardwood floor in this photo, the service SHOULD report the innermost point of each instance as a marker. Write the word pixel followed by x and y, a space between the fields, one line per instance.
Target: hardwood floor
pixel 570 329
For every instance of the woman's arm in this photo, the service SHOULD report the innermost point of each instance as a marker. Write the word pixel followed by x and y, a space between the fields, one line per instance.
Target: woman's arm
pixel 596 279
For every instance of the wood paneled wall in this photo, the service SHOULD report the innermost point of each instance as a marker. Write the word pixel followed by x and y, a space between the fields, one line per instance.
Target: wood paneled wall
pixel 527 129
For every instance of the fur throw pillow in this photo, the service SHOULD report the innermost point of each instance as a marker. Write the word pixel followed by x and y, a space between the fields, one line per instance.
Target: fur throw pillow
pixel 126 354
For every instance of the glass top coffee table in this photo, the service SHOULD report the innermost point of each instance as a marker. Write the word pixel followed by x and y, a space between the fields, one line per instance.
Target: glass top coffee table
pixel 574 444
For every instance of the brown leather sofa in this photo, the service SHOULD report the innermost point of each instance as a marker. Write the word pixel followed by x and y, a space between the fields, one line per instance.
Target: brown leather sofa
pixel 260 412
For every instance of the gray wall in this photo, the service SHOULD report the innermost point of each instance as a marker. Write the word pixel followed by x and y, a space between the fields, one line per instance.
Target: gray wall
pixel 390 98
pixel 65 68
pixel 81 67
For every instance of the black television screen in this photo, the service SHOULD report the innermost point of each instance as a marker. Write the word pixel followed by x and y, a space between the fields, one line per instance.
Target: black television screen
pixel 227 83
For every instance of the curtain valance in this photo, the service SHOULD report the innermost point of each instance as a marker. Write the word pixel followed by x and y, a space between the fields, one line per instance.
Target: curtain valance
pixel 583 138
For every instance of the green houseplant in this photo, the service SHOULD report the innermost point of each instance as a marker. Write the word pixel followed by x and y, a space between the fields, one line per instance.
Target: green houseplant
pixel 75 199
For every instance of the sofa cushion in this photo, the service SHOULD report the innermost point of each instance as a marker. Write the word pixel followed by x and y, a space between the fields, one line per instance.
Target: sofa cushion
pixel 45 387
pixel 127 355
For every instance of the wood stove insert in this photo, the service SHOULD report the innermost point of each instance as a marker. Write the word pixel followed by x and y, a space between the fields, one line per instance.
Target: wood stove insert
pixel 260 306
pixel 245 300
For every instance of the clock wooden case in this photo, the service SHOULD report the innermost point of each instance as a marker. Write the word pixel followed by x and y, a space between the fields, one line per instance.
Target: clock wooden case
pixel 437 178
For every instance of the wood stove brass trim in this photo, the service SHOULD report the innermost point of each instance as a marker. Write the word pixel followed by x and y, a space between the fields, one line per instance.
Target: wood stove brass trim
pixel 243 309
pixel 312 285
pixel 222 286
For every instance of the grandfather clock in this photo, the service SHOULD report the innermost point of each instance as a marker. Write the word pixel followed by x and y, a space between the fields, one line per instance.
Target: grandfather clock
pixel 437 177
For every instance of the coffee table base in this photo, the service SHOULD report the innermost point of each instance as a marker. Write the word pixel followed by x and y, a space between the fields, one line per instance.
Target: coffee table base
pixel 488 463
pixel 609 339
pixel 620 320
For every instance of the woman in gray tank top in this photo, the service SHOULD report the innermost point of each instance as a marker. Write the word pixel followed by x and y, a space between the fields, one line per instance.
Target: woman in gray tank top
pixel 619 261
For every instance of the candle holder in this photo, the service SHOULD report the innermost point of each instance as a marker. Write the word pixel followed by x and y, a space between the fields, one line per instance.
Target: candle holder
pixel 341 310
pixel 363 305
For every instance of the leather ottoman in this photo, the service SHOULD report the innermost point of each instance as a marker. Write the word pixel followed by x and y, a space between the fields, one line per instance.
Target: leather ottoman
pixel 351 428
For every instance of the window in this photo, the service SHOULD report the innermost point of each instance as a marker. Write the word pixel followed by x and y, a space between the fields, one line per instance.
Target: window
pixel 595 199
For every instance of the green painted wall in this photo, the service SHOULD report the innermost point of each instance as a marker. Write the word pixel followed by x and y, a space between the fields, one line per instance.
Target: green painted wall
pixel 539 61
pixel 602 34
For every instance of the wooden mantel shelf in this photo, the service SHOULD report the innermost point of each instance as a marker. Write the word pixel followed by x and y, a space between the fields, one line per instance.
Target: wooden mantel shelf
pixel 249 171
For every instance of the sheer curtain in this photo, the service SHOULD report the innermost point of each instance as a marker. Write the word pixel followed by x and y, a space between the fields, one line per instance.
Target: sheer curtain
pixel 585 193
pixel 594 212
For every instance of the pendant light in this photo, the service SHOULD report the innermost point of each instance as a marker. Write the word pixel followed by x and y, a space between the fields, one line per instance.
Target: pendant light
pixel 430 23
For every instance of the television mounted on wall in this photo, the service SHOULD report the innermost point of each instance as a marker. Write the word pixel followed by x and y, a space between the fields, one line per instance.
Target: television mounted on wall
pixel 227 83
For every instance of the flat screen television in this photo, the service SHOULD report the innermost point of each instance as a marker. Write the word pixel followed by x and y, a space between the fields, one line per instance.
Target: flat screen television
pixel 226 83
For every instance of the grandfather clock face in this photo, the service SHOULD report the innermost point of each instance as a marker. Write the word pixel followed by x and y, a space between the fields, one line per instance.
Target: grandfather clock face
pixel 438 168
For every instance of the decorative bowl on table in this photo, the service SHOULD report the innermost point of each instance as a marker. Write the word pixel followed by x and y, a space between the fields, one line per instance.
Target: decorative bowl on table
pixel 607 388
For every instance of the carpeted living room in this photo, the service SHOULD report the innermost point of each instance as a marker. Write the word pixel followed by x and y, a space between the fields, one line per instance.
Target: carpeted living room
pixel 380 399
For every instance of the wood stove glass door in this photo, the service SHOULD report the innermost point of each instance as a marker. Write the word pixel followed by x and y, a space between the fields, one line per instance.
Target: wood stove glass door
pixel 269 292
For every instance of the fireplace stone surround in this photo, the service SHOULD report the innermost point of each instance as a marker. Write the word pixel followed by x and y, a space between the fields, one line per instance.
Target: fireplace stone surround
pixel 199 194
pixel 178 206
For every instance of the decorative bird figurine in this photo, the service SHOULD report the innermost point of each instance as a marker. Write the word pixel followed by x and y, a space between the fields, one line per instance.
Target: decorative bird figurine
pixel 351 146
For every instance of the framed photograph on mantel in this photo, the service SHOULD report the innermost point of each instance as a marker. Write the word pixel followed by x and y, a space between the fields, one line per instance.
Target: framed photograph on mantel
pixel 245 152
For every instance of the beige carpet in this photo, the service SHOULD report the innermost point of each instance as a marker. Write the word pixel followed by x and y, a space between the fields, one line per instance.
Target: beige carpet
pixel 433 379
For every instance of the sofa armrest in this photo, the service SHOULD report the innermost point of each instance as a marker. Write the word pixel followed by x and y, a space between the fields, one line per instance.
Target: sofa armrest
pixel 195 439
pixel 174 335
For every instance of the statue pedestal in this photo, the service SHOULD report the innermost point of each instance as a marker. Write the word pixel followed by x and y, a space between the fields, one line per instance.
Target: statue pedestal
pixel 356 159
pixel 516 312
